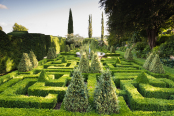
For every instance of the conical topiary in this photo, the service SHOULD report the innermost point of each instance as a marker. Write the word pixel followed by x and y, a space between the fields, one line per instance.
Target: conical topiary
pixel 156 66
pixel 54 52
pixel 64 59
pixel 108 47
pixel 43 77
pixel 118 61
pixel 25 64
pixel 91 54
pixel 96 66
pixel 112 50
pixel 76 97
pixel 84 63
pixel 129 55
pixel 148 61
pixel 33 59
pixel 105 98
pixel 67 49
pixel 51 53
pixel 142 78
pixel 125 54
pixel 71 46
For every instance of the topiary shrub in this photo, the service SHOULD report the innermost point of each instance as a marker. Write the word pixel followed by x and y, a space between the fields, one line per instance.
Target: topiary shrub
pixel 84 63
pixel 129 55
pixel 67 49
pixel 91 54
pixel 25 64
pixel 142 78
pixel 125 54
pixel 156 66
pixel 51 53
pixel 43 77
pixel 71 46
pixel 33 59
pixel 96 66
pixel 76 97
pixel 64 59
pixel 108 47
pixel 105 98
pixel 148 61
pixel 112 50
pixel 117 61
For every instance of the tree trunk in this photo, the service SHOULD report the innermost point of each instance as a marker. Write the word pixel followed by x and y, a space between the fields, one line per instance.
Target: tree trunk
pixel 151 33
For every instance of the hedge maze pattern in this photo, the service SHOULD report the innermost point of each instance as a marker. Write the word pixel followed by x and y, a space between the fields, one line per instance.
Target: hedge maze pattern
pixel 23 90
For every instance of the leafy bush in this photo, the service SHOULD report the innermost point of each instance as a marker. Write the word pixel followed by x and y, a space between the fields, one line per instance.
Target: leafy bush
pixel 105 98
pixel 67 49
pixel 112 50
pixel 76 97
pixel 148 61
pixel 64 59
pixel 129 55
pixel 51 53
pixel 96 66
pixel 84 63
pixel 43 77
pixel 25 64
pixel 33 59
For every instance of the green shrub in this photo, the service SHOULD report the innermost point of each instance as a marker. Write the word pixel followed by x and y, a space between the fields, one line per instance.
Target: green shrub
pixel 64 59
pixel 43 77
pixel 156 66
pixel 25 64
pixel 142 78
pixel 67 49
pixel 51 53
pixel 96 66
pixel 112 49
pixel 118 61
pixel 148 61
pixel 71 46
pixel 91 54
pixel 125 54
pixel 84 63
pixel 76 97
pixel 108 47
pixel 105 98
pixel 33 59
pixel 129 55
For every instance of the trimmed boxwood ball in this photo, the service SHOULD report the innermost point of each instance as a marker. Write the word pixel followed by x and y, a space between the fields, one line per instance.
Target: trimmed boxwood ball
pixel 67 49
pixel 96 66
pixel 142 78
pixel 43 77
pixel 84 63
pixel 156 66
pixel 25 64
pixel 112 50
pixel 51 53
pixel 64 59
pixel 148 61
pixel 33 59
pixel 105 98
pixel 76 97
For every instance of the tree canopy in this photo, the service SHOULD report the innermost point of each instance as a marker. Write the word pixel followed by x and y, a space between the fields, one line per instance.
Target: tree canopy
pixel 132 15
pixel 17 27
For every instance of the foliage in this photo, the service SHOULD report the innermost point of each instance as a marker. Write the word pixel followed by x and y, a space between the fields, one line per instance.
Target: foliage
pixel 168 62
pixel 102 28
pixel 96 66
pixel 105 98
pixel 129 55
pixel 84 63
pixel 67 49
pixel 33 59
pixel 76 97
pixel 74 39
pixel 118 61
pixel 72 46
pixel 142 78
pixel 51 53
pixel 0 28
pixel 90 27
pixel 17 27
pixel 64 59
pixel 70 23
pixel 25 64
pixel 156 66
pixel 43 77
pixel 125 54
pixel 112 50
pixel 136 37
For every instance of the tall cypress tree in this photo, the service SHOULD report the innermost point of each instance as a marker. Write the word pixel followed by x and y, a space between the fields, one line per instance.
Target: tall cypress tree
pixel 70 23
pixel 102 28
pixel 90 27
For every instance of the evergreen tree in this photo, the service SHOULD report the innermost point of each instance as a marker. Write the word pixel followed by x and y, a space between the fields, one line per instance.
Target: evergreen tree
pixel 17 27
pixel 90 27
pixel 70 23
pixel 102 28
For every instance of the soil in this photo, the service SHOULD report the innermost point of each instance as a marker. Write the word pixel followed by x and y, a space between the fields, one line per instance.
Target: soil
pixel 58 105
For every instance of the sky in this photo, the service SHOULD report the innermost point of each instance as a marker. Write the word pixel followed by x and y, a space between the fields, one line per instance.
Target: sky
pixel 50 17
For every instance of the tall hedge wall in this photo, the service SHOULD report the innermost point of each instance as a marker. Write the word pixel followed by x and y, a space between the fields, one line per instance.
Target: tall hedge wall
pixel 15 43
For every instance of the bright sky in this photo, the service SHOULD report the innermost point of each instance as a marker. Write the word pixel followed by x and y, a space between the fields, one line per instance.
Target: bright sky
pixel 50 17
